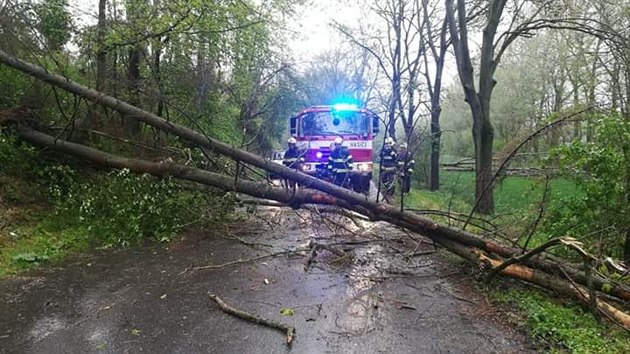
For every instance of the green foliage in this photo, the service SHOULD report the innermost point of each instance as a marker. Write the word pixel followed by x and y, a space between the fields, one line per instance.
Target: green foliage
pixel 19 165
pixel 30 176
pixel 15 156
pixel 35 245
pixel 124 208
pixel 55 22
pixel 565 326
pixel 29 257
pixel 88 210
pixel 14 86
pixel 600 213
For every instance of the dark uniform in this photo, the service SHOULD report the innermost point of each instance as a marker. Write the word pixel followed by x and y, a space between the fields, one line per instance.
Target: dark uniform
pixel 292 159
pixel 339 165
pixel 405 169
pixel 389 166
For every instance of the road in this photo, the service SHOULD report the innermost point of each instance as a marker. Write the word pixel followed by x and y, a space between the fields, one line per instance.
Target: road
pixel 389 294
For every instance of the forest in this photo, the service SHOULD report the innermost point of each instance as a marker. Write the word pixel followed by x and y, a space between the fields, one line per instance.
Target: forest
pixel 125 122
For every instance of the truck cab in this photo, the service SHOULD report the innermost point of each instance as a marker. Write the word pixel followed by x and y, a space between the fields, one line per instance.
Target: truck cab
pixel 316 128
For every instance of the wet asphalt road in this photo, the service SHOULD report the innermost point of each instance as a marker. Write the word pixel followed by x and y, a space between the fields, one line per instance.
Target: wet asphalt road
pixel 375 300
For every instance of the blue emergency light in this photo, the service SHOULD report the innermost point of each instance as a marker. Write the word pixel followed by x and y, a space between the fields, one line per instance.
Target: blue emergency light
pixel 344 107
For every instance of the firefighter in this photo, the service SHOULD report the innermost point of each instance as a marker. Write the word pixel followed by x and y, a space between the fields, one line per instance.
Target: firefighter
pixel 292 158
pixel 405 168
pixel 340 163
pixel 388 169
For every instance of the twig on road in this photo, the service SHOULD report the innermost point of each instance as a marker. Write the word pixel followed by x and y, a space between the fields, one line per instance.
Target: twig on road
pixel 290 331
pixel 240 261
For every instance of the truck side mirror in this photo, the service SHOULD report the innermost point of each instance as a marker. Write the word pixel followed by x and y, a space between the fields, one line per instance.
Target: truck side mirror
pixel 293 126
pixel 375 123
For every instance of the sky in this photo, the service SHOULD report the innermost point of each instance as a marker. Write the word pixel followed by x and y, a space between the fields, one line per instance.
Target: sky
pixel 312 26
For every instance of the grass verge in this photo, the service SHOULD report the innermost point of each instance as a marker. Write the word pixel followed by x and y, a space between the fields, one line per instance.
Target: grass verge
pixel 560 327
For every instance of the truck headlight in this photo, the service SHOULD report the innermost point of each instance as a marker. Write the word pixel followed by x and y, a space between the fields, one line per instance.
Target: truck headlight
pixel 363 167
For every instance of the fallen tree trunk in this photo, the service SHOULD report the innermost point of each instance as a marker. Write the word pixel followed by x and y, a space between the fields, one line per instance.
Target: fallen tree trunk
pixel 540 278
pixel 445 235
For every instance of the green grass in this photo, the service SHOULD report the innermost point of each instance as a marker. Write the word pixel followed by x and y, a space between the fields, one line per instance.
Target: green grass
pixel 564 327
pixel 35 238
pixel 517 199
pixel 512 194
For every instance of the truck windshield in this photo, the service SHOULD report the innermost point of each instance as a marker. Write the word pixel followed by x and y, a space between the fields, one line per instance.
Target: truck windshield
pixel 335 123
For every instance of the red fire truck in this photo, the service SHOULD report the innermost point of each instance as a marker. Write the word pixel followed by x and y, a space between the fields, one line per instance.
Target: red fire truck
pixel 316 128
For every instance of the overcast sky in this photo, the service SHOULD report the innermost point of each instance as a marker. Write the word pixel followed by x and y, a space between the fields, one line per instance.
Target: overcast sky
pixel 312 26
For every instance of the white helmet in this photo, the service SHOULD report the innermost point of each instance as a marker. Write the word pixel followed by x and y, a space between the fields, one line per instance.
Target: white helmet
pixel 338 140
pixel 292 140
pixel 389 141
pixel 403 145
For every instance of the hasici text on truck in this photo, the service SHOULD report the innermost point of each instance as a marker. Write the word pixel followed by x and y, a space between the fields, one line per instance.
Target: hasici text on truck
pixel 316 128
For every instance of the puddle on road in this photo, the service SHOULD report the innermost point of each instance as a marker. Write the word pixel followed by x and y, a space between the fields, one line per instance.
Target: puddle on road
pixel 46 326
pixel 360 310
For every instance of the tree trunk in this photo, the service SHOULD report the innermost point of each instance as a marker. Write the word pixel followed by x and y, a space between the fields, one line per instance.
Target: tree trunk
pixel 479 102
pixel 436 135
pixel 435 92
pixel 101 53
pixel 484 136
pixel 132 126
pixel 93 119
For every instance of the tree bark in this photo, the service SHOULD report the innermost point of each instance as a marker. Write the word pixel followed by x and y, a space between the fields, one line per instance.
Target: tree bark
pixel 132 126
pixel 479 101
pixel 435 91
pixel 101 52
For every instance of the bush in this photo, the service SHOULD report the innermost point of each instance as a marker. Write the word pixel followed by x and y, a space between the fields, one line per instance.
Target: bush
pixel 599 215
pixel 124 208
pixel 567 326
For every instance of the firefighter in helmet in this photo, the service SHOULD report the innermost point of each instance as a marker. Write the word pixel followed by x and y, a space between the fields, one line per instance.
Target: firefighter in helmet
pixel 292 158
pixel 389 166
pixel 405 168
pixel 340 163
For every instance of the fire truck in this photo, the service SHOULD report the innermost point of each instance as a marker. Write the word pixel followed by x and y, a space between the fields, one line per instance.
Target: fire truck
pixel 316 128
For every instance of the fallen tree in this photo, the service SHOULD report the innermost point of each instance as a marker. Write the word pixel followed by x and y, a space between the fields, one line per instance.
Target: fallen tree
pixel 538 269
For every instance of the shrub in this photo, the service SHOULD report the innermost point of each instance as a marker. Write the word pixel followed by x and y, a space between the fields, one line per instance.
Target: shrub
pixel 124 208
pixel 567 326
pixel 600 214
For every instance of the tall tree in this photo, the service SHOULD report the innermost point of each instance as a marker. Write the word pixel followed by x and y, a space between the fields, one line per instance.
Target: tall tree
pixel 101 51
pixel 436 39
pixel 398 49
pixel 478 98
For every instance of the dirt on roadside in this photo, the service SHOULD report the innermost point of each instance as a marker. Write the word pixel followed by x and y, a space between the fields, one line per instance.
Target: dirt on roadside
pixel 388 293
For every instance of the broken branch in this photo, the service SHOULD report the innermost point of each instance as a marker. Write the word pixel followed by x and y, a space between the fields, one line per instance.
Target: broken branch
pixel 290 331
